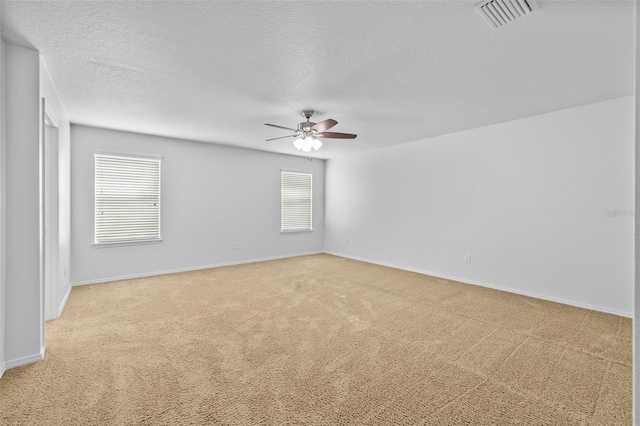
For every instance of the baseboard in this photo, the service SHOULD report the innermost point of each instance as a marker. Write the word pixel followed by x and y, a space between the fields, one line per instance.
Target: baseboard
pixel 495 287
pixel 188 269
pixel 25 360
pixel 64 300
pixel 3 368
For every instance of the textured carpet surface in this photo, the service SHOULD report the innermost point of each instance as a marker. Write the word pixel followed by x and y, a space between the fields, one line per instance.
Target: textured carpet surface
pixel 321 340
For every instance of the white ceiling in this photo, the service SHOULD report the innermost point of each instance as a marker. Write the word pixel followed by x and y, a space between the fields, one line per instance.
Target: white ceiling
pixel 390 71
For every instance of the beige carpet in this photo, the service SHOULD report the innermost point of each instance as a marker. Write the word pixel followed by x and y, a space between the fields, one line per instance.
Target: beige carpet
pixel 321 340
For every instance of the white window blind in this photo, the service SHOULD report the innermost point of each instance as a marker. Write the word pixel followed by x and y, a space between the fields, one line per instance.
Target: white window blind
pixel 127 197
pixel 297 197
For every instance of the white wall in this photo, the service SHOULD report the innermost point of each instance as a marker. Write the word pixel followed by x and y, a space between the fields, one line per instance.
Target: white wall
pixel 526 199
pixel 24 336
pixel 2 201
pixel 636 328
pixel 212 196
pixel 49 93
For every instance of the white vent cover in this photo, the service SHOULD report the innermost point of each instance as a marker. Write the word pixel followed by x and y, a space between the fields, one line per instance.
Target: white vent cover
pixel 498 13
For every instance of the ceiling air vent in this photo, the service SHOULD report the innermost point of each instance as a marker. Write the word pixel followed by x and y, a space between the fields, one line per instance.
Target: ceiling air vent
pixel 498 13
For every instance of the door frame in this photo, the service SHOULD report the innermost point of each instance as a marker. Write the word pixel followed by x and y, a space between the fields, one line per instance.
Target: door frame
pixel 49 215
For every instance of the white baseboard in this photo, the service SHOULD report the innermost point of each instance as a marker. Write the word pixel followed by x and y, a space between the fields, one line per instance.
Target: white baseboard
pixel 25 360
pixel 192 268
pixel 3 368
pixel 495 287
pixel 64 300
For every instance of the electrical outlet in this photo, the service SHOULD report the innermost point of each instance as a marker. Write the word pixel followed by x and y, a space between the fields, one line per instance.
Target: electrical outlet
pixel 333 240
pixel 467 258
pixel 237 246
pixel 346 241
pixel 64 271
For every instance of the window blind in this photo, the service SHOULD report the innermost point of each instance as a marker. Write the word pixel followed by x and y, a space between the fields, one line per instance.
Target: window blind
pixel 296 201
pixel 127 199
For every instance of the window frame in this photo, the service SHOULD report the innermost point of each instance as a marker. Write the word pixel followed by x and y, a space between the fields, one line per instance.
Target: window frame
pixel 282 213
pixel 130 241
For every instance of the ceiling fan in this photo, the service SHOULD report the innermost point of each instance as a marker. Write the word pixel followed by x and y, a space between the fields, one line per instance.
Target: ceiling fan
pixel 308 133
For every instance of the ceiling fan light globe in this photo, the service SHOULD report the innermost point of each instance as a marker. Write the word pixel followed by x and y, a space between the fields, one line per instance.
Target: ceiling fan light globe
pixel 317 144
pixel 307 144
pixel 298 143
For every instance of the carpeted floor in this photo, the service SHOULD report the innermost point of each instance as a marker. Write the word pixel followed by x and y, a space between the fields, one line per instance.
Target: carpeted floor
pixel 321 340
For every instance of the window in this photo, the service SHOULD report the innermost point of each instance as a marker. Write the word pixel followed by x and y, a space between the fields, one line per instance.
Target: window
pixel 127 197
pixel 296 201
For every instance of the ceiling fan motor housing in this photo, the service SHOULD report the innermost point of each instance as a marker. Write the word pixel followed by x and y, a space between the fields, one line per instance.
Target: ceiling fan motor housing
pixel 306 126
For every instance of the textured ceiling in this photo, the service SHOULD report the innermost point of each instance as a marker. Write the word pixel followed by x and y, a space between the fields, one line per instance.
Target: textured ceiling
pixel 392 72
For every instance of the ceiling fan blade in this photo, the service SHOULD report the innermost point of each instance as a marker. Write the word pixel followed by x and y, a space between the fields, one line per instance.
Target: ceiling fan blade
pixel 324 125
pixel 280 127
pixel 281 137
pixel 336 135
